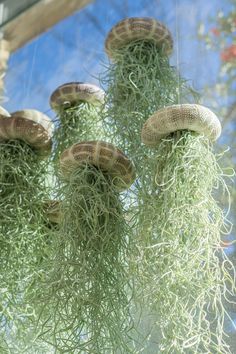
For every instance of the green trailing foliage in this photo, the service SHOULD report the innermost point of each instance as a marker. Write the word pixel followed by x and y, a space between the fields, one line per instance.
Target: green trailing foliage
pixel 76 123
pixel 183 268
pixel 140 81
pixel 23 233
pixel 220 40
pixel 85 303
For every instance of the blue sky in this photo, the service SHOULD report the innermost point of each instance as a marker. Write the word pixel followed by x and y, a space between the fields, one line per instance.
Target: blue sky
pixel 73 49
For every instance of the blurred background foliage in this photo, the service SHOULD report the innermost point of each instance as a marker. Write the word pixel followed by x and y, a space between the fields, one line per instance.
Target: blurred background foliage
pixel 220 40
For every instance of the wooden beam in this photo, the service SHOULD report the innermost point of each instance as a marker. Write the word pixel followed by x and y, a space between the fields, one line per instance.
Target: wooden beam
pixel 38 19
pixel 4 56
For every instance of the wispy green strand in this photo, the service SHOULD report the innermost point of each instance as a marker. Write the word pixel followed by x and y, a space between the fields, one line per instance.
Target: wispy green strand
pixel 140 81
pixel 87 282
pixel 23 234
pixel 183 269
pixel 76 123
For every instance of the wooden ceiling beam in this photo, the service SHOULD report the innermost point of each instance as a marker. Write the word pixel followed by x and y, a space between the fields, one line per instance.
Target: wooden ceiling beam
pixel 38 19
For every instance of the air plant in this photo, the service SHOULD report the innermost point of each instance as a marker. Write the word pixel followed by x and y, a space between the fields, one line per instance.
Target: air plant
pixel 139 80
pixel 25 142
pixel 84 293
pixel 183 271
pixel 78 106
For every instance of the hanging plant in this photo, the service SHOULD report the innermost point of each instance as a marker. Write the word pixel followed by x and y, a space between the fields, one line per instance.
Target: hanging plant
pixel 180 227
pixel 86 296
pixel 78 106
pixel 139 79
pixel 25 141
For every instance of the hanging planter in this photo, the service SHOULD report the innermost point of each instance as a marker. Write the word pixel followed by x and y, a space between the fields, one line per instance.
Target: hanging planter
pixel 180 227
pixel 25 140
pixel 139 79
pixel 77 105
pixel 87 299
pixel 30 126
pixel 179 118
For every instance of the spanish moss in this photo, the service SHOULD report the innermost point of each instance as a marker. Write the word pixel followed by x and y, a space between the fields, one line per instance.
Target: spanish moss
pixel 140 81
pixel 77 123
pixel 184 270
pixel 87 285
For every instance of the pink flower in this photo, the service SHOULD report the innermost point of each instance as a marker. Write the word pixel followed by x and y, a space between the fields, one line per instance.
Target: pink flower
pixel 215 31
pixel 225 244
pixel 229 54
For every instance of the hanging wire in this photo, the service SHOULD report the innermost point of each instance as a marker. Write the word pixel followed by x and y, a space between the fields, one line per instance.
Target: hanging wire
pixel 177 46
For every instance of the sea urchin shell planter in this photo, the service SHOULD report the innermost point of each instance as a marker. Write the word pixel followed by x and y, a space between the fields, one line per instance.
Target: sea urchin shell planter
pixel 138 28
pixel 91 251
pixel 74 93
pixel 139 80
pixel 78 107
pixel 170 119
pixel 30 126
pixel 103 156
pixel 24 144
pixel 180 226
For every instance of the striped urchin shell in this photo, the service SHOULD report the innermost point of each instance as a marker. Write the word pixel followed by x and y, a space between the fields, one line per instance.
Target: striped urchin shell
pixel 4 113
pixel 73 93
pixel 103 155
pixel 138 28
pixel 28 126
pixel 37 117
pixel 191 117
